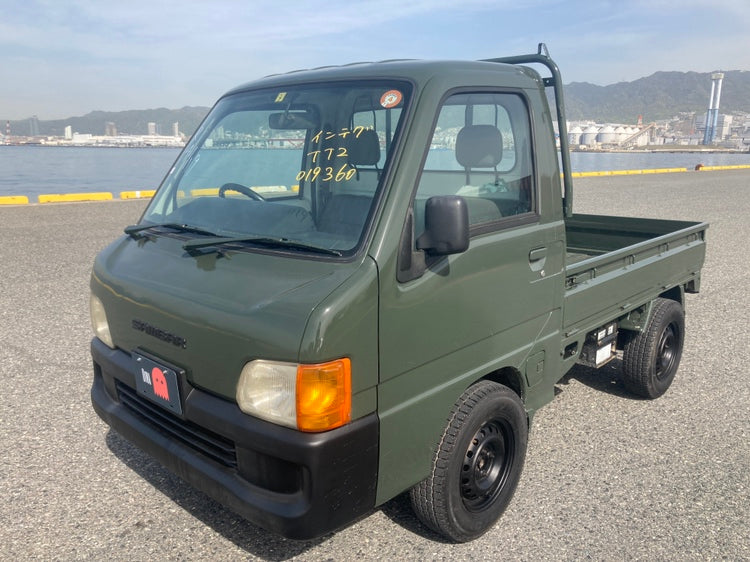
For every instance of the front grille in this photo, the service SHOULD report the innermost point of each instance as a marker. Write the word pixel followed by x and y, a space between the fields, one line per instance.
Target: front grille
pixel 210 444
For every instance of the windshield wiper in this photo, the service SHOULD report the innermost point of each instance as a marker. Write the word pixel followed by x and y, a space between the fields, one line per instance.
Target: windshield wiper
pixel 134 229
pixel 260 241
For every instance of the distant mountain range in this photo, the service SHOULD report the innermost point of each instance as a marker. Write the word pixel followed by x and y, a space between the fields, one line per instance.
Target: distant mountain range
pixel 659 96
pixel 132 122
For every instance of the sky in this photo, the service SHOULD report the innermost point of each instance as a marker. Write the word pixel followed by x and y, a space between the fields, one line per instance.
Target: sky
pixel 65 58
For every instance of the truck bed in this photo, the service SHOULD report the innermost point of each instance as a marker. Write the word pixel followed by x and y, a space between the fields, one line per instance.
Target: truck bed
pixel 616 264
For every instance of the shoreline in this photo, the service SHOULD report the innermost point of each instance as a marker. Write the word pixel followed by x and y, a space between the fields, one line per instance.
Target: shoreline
pixel 138 146
pixel 670 149
pixel 650 149
pixel 43 199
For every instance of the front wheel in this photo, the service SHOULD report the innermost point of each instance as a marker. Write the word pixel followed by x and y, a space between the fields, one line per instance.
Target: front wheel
pixel 651 357
pixel 477 464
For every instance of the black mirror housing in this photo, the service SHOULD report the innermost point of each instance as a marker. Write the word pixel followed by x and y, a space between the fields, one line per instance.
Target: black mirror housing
pixel 446 226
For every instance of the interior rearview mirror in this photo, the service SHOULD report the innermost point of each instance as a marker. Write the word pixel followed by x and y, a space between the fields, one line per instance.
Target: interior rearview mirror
pixel 292 120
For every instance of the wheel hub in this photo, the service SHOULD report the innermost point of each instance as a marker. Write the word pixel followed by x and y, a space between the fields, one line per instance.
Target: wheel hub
pixel 665 357
pixel 486 465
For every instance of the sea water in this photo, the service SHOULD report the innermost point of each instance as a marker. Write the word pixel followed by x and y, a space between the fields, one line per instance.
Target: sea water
pixel 34 170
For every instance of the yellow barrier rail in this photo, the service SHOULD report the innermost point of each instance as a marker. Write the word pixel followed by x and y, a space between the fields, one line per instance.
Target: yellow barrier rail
pixel 204 192
pixel 14 200
pixel 701 168
pixel 75 197
pixel 628 172
pixel 148 193
pixel 143 194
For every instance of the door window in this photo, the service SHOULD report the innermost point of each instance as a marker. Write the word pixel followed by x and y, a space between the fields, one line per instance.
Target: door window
pixel 481 150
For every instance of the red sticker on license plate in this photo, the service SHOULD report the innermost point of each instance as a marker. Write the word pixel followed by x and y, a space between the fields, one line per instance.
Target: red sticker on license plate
pixel 157 382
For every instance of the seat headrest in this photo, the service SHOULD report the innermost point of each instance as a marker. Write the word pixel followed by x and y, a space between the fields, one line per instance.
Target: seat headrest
pixel 364 150
pixel 479 146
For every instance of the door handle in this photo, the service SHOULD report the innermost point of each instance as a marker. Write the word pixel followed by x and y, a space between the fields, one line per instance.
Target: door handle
pixel 538 253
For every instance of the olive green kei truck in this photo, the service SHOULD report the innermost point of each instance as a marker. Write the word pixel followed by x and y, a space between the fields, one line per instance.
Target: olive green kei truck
pixel 361 280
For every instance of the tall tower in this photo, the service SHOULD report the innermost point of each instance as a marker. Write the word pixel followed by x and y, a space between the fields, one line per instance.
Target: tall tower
pixel 712 115
pixel 33 126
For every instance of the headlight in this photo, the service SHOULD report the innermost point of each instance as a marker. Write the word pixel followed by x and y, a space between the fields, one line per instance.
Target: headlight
pixel 99 321
pixel 305 397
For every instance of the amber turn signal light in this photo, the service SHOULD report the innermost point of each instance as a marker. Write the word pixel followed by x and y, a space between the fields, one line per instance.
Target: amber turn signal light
pixel 324 395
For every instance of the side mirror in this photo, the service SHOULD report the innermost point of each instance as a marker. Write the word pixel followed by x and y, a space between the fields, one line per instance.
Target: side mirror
pixel 446 223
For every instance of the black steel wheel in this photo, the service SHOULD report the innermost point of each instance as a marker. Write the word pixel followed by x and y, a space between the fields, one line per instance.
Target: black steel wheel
pixel 651 358
pixel 477 464
pixel 487 465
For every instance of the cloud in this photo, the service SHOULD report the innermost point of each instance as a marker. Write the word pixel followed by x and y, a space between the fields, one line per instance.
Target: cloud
pixel 64 58
pixel 102 29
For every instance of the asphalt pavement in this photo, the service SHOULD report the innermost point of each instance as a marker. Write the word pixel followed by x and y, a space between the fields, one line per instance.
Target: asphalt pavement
pixel 607 477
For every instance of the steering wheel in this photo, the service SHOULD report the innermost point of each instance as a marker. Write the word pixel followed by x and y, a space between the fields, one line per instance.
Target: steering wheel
pixel 240 189
pixel 499 186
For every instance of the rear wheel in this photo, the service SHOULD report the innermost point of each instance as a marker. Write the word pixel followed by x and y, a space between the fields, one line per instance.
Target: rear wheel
pixel 651 358
pixel 477 465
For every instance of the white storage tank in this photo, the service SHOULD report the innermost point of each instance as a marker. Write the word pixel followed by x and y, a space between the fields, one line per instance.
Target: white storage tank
pixel 574 135
pixel 589 135
pixel 620 133
pixel 606 135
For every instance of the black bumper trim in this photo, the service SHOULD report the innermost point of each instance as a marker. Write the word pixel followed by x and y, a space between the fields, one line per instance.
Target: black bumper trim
pixel 338 468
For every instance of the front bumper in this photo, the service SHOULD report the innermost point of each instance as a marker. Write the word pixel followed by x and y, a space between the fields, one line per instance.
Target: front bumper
pixel 300 485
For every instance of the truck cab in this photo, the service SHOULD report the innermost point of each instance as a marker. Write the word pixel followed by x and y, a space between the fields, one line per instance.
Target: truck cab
pixel 353 282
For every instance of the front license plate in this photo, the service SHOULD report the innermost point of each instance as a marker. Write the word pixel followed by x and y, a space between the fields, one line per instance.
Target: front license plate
pixel 157 382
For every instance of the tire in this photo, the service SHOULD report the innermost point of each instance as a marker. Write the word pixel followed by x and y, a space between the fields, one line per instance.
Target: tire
pixel 651 357
pixel 477 464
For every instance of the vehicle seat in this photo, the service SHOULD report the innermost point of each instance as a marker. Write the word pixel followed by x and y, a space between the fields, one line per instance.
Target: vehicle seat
pixel 347 206
pixel 364 150
pixel 345 214
pixel 479 146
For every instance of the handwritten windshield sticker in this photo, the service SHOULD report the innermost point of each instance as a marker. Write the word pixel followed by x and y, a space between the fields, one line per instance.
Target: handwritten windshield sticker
pixel 329 153
pixel 280 97
pixel 325 162
pixel 327 173
pixel 343 133
pixel 391 99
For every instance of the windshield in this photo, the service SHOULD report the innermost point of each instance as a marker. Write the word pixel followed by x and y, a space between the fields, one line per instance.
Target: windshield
pixel 299 164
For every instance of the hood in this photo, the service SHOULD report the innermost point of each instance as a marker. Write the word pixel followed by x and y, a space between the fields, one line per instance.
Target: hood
pixel 210 314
